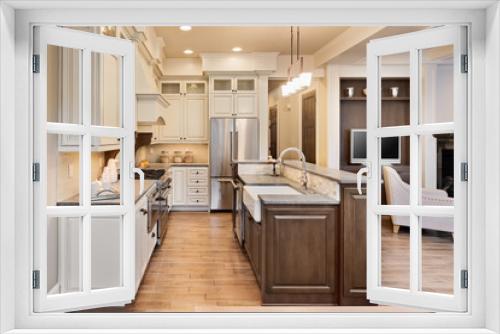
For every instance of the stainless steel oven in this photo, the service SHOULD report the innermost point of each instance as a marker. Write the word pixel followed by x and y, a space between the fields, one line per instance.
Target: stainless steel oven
pixel 161 208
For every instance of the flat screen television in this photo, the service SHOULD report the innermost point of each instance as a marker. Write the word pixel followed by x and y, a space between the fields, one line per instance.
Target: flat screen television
pixel 391 148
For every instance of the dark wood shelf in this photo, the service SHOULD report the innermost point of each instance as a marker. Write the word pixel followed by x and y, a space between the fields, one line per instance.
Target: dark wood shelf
pixel 395 98
pixel 355 98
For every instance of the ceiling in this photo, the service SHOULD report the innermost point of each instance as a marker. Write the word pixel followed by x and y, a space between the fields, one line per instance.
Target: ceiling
pixel 250 39
pixel 357 54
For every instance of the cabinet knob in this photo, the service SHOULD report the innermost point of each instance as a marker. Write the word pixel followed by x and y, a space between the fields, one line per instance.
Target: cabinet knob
pixel 144 211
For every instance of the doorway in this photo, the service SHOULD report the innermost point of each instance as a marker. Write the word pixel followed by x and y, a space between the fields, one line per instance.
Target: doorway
pixel 309 126
pixel 273 131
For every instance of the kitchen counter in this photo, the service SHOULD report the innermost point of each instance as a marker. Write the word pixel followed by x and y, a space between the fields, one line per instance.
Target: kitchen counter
pixel 74 200
pixel 173 164
pixel 304 199
pixel 263 180
pixel 341 176
pixel 308 196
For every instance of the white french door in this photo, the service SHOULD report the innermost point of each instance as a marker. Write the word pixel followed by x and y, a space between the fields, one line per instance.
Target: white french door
pixel 83 254
pixel 417 198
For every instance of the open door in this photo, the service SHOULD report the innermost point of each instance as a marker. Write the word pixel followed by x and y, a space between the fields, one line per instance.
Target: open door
pixel 84 114
pixel 417 197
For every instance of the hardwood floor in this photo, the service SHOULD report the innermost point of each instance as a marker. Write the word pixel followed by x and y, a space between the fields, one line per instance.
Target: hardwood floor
pixel 201 268
pixel 437 259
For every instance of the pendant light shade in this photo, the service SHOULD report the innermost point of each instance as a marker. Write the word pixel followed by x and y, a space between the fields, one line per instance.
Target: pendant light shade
pixel 302 79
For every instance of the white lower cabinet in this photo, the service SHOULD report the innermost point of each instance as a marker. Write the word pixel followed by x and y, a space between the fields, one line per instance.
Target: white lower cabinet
pixel 145 241
pixel 189 187
pixel 106 247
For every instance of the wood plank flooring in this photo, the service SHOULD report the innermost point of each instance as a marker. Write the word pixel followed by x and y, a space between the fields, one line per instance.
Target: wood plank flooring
pixel 201 268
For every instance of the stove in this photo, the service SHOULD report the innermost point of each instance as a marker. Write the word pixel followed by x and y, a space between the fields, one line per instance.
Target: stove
pixel 152 174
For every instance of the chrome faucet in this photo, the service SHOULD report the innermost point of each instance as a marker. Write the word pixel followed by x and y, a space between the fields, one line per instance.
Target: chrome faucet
pixel 302 157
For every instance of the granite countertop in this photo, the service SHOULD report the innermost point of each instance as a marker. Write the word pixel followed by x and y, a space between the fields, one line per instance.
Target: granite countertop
pixel 181 164
pixel 74 200
pixel 304 199
pixel 263 180
pixel 308 196
pixel 341 176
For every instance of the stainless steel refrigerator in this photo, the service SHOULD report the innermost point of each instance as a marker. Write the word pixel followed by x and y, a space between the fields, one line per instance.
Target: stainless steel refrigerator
pixel 230 140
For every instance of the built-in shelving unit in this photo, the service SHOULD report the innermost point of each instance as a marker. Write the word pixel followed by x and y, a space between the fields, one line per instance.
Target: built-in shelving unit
pixel 395 111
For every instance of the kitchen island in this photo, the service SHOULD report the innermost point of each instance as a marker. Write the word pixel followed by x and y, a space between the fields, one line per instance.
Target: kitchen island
pixel 308 248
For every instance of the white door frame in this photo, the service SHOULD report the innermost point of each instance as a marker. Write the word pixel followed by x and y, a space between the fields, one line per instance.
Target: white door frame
pixel 340 13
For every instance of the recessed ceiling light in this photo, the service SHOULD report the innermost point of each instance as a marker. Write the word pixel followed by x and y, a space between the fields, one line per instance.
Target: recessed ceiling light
pixel 188 52
pixel 237 49
pixel 185 28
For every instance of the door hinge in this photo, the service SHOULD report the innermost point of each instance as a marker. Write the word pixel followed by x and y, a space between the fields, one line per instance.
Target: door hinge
pixel 36 63
pixel 36 172
pixel 36 279
pixel 465 64
pixel 464 279
pixel 464 169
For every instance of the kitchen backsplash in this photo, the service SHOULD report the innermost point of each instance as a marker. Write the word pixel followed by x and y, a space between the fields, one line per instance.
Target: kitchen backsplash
pixel 152 153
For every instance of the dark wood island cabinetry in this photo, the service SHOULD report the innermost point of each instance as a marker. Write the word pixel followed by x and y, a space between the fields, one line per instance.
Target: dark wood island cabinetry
pixel 310 254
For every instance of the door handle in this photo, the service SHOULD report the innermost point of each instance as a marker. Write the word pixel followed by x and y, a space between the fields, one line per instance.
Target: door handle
pixel 359 176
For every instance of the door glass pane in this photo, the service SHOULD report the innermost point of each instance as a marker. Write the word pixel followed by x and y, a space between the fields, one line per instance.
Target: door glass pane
pixel 437 174
pixel 64 255
pixel 106 252
pixel 395 251
pixel 105 168
pixel 436 85
pixel 195 88
pixel 437 254
pixel 63 85
pixel 63 169
pixel 106 90
pixel 395 90
pixel 394 162
pixel 222 84
pixel 171 88
pixel 246 84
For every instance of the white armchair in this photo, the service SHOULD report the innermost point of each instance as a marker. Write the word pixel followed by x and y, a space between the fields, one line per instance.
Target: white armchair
pixel 398 193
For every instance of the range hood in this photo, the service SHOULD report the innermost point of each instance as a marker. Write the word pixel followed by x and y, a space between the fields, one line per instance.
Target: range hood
pixel 151 109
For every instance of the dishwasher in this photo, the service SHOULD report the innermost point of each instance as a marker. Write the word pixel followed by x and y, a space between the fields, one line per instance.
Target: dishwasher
pixel 238 211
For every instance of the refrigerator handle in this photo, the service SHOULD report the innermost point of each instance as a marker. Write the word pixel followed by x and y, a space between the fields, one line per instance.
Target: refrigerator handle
pixel 235 145
pixel 231 146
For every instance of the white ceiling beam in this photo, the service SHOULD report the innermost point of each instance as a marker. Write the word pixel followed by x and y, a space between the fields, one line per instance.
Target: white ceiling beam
pixel 343 42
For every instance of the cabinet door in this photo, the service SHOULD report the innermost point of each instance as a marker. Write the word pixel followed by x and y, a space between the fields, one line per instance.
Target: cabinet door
pixel 140 229
pixel 171 88
pixel 173 130
pixel 179 186
pixel 245 85
pixel 222 85
pixel 195 87
pixel 221 105
pixel 195 119
pixel 353 239
pixel 245 105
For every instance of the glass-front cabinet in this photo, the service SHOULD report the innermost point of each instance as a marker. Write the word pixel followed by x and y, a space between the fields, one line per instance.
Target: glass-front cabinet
pixel 233 96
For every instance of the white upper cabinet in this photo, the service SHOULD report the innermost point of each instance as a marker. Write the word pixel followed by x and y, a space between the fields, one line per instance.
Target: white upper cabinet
pixel 187 114
pixel 233 96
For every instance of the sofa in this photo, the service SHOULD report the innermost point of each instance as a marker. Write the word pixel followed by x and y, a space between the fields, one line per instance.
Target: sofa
pixel 398 193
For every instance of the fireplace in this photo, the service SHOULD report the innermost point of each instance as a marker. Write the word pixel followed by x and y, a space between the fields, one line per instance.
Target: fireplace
pixel 445 165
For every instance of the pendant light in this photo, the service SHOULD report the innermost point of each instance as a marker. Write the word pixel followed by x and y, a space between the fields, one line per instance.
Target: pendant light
pixel 297 79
